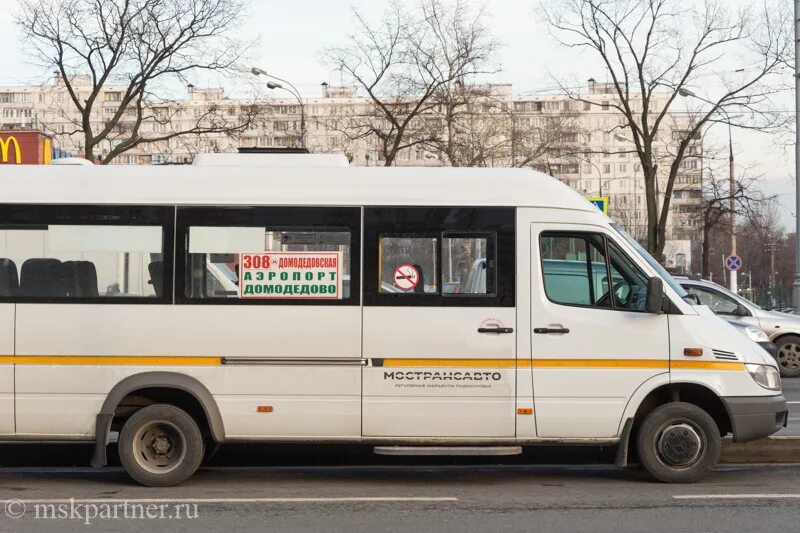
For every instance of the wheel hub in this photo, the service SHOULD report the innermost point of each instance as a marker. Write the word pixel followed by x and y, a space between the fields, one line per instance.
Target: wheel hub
pixel 161 445
pixel 679 445
pixel 789 355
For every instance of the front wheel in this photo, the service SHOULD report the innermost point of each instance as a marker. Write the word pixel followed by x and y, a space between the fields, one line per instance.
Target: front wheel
pixel 679 443
pixel 160 446
pixel 788 355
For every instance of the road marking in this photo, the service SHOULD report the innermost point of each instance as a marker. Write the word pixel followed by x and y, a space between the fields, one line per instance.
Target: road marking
pixel 354 499
pixel 736 496
pixel 792 402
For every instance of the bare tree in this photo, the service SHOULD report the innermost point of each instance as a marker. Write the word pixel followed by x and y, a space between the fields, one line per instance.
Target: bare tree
pixel 768 254
pixel 714 212
pixel 403 63
pixel 144 46
pixel 656 50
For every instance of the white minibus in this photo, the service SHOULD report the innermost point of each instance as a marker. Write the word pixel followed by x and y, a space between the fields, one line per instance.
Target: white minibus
pixel 417 310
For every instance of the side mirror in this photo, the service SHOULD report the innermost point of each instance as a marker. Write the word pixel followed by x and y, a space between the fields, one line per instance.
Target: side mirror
pixel 741 311
pixel 655 295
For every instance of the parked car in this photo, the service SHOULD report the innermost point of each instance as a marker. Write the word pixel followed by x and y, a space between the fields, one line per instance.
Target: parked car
pixel 756 334
pixel 783 329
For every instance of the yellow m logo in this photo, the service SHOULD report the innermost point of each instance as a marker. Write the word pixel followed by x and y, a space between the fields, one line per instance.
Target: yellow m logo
pixel 5 145
pixel 47 151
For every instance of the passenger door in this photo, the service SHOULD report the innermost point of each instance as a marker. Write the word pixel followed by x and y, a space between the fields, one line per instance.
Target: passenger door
pixel 439 321
pixel 592 347
pixel 6 366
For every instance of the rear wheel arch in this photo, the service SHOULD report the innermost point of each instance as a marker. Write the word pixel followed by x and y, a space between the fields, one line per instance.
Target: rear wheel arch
pixel 783 334
pixel 146 388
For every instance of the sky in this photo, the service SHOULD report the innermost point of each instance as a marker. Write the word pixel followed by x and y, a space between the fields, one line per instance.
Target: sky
pixel 291 36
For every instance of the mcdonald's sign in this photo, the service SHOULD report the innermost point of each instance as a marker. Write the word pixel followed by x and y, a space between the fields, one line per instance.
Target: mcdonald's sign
pixel 25 147
pixel 5 145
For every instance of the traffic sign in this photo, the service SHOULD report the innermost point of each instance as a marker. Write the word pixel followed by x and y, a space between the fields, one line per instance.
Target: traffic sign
pixel 406 277
pixel 600 202
pixel 733 262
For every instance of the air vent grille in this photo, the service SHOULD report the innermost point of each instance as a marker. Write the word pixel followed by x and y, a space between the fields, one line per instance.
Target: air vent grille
pixel 725 356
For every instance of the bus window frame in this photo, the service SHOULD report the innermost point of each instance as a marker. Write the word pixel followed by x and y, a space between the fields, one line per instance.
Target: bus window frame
pixel 31 216
pixel 440 222
pixel 340 218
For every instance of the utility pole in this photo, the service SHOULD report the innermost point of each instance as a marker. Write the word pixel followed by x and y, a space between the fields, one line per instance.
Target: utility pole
pixel 796 285
pixel 771 248
pixel 734 277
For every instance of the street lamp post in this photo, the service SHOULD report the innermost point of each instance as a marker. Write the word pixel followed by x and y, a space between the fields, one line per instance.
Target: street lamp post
pixel 732 206
pixel 291 89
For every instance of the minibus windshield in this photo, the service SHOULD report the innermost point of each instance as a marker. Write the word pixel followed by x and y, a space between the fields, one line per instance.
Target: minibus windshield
pixel 655 264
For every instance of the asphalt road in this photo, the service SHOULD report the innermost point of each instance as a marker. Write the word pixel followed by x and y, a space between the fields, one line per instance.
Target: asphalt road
pixel 402 499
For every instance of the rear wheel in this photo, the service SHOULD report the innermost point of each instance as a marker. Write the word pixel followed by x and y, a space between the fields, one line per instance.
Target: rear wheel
pixel 160 446
pixel 678 443
pixel 788 355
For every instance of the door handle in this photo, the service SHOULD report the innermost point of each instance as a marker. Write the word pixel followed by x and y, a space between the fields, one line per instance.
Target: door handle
pixel 551 330
pixel 495 329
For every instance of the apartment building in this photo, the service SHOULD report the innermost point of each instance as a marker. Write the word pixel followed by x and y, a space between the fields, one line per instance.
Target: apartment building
pixel 593 152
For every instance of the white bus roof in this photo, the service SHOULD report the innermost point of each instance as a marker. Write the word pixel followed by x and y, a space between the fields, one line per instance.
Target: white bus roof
pixel 254 185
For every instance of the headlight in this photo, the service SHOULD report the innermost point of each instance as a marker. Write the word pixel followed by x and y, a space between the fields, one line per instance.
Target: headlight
pixel 765 375
pixel 756 334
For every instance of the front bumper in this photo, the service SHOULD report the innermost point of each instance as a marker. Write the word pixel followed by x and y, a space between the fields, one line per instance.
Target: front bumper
pixel 754 417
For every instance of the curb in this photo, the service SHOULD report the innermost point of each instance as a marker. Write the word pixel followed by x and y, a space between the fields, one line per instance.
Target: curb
pixel 772 450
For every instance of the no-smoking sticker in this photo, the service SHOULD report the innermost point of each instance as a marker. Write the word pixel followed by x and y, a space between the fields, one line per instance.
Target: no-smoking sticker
pixel 406 277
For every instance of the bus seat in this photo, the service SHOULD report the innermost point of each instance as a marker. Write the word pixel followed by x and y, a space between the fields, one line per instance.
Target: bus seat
pixel 156 269
pixel 81 277
pixel 9 279
pixel 42 277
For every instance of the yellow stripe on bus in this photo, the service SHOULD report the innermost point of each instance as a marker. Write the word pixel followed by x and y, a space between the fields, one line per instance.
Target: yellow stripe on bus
pixel 707 365
pixel 132 360
pixel 155 360
pixel 601 363
pixel 542 363
pixel 452 362
pixel 565 363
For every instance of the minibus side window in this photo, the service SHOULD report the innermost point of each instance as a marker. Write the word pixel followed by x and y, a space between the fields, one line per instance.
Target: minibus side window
pixel 589 270
pixel 77 254
pixel 439 256
pixel 408 265
pixel 268 255
pixel 215 253
pixel 412 265
pixel 468 265
pixel 574 268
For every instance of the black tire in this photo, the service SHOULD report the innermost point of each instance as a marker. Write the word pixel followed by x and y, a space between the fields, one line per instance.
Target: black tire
pixel 678 443
pixel 160 446
pixel 787 355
